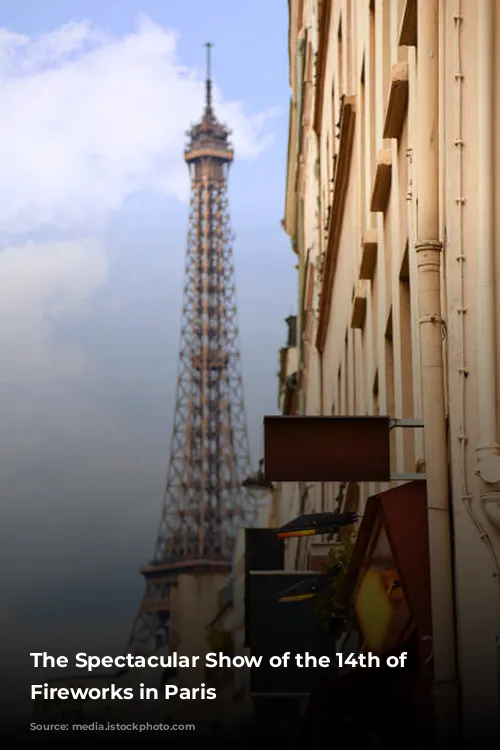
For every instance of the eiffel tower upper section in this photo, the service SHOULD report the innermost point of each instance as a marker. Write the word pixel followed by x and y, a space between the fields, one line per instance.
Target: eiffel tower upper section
pixel 208 141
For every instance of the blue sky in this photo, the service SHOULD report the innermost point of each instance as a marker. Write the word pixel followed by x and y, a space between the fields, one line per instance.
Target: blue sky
pixel 93 216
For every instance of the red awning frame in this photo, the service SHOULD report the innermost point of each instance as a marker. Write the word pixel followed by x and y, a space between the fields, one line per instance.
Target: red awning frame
pixel 327 449
pixel 402 513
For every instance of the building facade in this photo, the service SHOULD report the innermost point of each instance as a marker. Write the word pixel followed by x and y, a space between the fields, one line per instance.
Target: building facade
pixel 392 207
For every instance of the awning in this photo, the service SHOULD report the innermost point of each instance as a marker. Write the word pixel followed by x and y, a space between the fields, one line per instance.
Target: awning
pixel 366 699
pixel 392 545
pixel 399 518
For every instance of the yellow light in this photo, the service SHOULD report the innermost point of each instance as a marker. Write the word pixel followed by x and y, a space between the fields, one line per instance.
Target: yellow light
pixel 289 534
pixel 296 598
pixel 373 609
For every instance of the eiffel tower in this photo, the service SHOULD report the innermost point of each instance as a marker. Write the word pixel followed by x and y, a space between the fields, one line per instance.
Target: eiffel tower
pixel 204 502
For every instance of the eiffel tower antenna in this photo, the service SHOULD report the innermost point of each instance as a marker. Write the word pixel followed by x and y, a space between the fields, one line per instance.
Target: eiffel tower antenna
pixel 208 105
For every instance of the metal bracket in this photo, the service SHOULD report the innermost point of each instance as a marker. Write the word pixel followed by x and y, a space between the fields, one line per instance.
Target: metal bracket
pixel 408 477
pixel 405 423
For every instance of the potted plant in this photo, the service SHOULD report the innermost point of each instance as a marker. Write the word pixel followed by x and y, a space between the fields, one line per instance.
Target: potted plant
pixel 332 608
pixel 220 640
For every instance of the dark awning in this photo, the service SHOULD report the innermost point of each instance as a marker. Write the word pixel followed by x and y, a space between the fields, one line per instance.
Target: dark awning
pixel 399 516
pixel 364 698
pixel 326 449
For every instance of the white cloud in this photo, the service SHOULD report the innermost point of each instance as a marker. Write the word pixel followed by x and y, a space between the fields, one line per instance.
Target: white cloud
pixel 39 284
pixel 88 119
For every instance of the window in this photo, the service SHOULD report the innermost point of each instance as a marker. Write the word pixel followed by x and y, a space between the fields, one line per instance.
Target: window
pixel 389 379
pixel 376 404
pixel 372 109
pixel 354 354
pixel 389 368
pixel 386 50
pixel 339 391
pixel 406 358
pixel 363 207
pixel 347 372
pixel 340 61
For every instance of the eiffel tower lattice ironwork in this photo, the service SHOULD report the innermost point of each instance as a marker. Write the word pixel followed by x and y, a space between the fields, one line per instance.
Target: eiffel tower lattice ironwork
pixel 204 501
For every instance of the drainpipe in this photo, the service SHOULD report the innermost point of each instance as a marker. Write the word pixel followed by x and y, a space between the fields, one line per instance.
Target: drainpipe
pixel 429 249
pixel 488 450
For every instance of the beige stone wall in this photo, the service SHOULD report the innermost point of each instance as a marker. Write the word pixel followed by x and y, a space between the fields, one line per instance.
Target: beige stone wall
pixel 376 369
pixel 194 607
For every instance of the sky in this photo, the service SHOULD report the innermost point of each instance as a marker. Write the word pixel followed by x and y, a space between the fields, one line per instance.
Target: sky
pixel 95 99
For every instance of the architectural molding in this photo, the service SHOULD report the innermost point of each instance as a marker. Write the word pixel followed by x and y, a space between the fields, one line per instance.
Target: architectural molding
pixel 408 28
pixel 382 183
pixel 369 249
pixel 359 304
pixel 336 216
pixel 397 104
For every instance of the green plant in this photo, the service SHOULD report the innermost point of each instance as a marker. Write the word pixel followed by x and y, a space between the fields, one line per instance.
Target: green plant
pixel 220 640
pixel 334 602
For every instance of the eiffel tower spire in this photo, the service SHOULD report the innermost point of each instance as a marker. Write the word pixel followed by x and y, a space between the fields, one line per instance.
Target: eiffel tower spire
pixel 208 84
